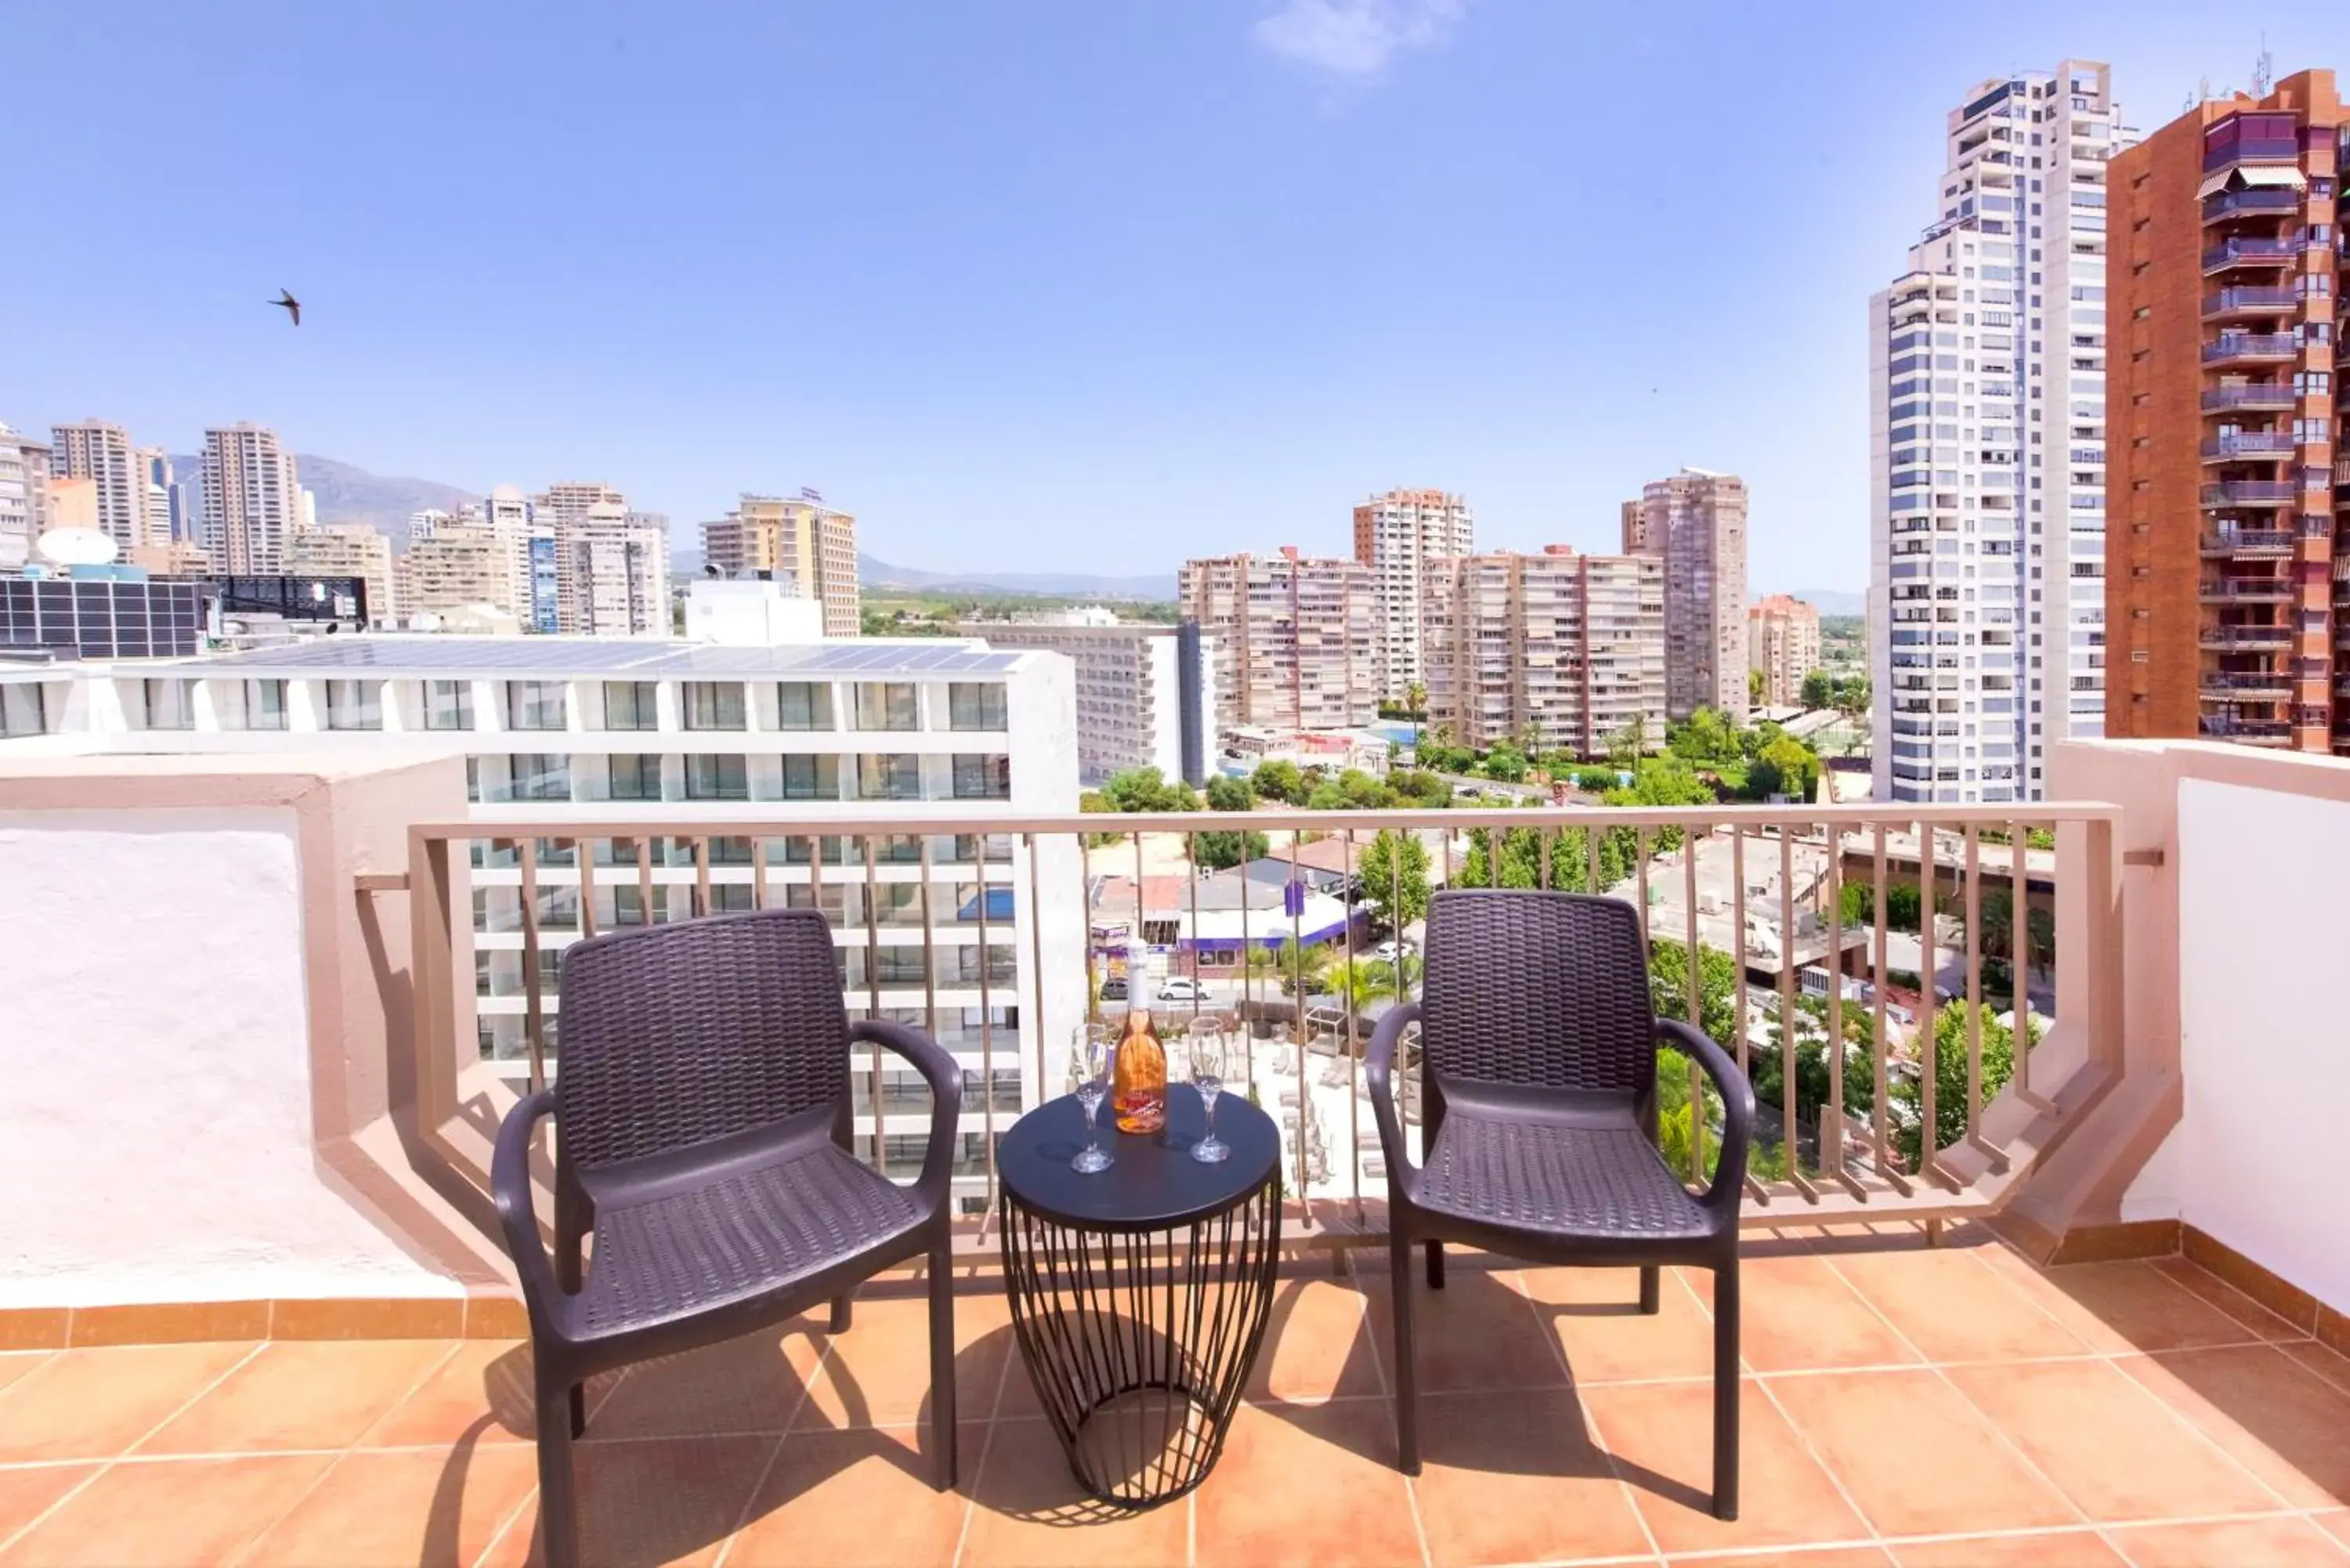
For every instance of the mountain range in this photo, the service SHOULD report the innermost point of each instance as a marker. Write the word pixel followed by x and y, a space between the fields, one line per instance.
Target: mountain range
pixel 349 494
pixel 873 573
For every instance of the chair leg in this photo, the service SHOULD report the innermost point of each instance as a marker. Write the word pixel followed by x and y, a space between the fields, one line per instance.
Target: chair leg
pixel 840 1303
pixel 1651 1286
pixel 1407 1360
pixel 579 1409
pixel 1725 1390
pixel 1436 1265
pixel 943 1362
pixel 558 1503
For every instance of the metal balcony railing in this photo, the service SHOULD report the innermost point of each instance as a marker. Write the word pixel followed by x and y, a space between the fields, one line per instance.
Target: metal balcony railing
pixel 2264 590
pixel 2277 395
pixel 2222 728
pixel 2250 444
pixel 1812 910
pixel 2251 252
pixel 2249 542
pixel 2246 637
pixel 2265 202
pixel 2235 683
pixel 2251 493
pixel 2251 300
pixel 2265 347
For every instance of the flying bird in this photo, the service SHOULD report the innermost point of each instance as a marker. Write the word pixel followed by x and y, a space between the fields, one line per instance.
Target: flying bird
pixel 292 305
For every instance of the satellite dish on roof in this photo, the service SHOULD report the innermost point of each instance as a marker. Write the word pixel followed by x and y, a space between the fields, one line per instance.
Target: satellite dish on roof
pixel 76 547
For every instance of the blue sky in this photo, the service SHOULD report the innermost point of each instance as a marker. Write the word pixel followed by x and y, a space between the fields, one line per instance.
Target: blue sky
pixel 1049 284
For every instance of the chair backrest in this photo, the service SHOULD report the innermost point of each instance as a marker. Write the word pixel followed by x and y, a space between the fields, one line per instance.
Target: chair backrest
pixel 676 1034
pixel 1540 989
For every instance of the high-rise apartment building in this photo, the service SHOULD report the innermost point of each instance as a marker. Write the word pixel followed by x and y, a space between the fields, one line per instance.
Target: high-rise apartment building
pixel 1146 692
pixel 253 499
pixel 1783 641
pixel 804 538
pixel 102 453
pixel 1299 636
pixel 2228 598
pixel 23 496
pixel 532 593
pixel 452 568
pixel 1555 650
pixel 1398 536
pixel 160 486
pixel 347 550
pixel 1695 523
pixel 1988 408
pixel 611 571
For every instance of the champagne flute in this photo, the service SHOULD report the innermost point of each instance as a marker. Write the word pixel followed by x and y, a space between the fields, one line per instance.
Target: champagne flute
pixel 1209 1048
pixel 1089 1069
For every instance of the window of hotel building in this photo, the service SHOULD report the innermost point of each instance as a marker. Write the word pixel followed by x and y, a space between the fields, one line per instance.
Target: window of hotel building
pixel 804 705
pixel 631 705
pixel 886 706
pixel 714 705
pixel 253 705
pixel 166 705
pixel 811 777
pixel 635 778
pixel 889 776
pixel 976 705
pixel 24 709
pixel 720 777
pixel 354 704
pixel 449 705
pixel 534 705
pixel 983 777
pixel 538 775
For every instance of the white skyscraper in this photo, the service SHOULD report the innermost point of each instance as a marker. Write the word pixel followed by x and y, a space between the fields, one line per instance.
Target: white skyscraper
pixel 1396 535
pixel 253 499
pixel 1987 408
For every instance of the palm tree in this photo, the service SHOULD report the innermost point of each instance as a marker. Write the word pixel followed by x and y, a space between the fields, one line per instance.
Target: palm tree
pixel 1414 697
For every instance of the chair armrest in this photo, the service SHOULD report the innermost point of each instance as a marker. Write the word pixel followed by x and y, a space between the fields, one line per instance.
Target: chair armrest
pixel 1737 1108
pixel 945 1079
pixel 1378 1066
pixel 510 1188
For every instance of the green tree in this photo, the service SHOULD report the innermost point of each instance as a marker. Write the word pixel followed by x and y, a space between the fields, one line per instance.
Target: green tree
pixel 1717 982
pixel 1818 692
pixel 1629 745
pixel 1506 763
pixel 1704 736
pixel 1357 982
pixel 1312 961
pixel 1279 779
pixel 1851 696
pixel 1951 1029
pixel 1147 789
pixel 1394 872
pixel 1419 787
pixel 1753 688
pixel 1786 766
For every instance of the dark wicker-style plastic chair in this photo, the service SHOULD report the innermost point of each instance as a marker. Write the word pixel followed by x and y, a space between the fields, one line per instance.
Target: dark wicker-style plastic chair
pixel 702 1119
pixel 1538 1094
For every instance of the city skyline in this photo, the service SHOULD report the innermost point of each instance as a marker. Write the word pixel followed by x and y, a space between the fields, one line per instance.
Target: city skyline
pixel 958 378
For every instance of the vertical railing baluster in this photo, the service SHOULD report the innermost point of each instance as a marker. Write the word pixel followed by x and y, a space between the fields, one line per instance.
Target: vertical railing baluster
pixel 758 873
pixel 873 1002
pixel 2019 921
pixel 1297 1020
pixel 583 856
pixel 1929 1134
pixel 533 1005
pixel 1974 982
pixel 701 874
pixel 1832 1129
pixel 1037 957
pixel 1542 856
pixel 1787 1077
pixel 644 881
pixel 1192 866
pixel 1352 1000
pixel 1886 1153
pixel 1738 1047
pixel 1248 972
pixel 929 941
pixel 1693 977
pixel 1591 834
pixel 1141 932
pixel 987 1028
pixel 1640 859
pixel 1086 903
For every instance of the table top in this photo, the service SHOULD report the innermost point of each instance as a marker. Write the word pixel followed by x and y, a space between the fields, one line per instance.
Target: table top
pixel 1155 1183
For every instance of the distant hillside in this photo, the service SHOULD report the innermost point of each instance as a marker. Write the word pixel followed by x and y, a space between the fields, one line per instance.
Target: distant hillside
pixel 349 494
pixel 872 573
pixel 1830 601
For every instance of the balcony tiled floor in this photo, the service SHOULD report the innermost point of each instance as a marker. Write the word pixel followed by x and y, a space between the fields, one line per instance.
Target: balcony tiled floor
pixel 1903 1406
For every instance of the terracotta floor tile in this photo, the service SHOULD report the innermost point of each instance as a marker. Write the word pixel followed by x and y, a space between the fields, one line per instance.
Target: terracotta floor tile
pixel 1954 1306
pixel 1876 1430
pixel 1826 1557
pixel 2335 1523
pixel 2284 1422
pixel 858 1499
pixel 2107 1443
pixel 2330 1365
pixel 1310 1485
pixel 93 1404
pixel 15 1363
pixel 1595 1315
pixel 2068 1549
pixel 755 1383
pixel 2126 1306
pixel 168 1513
pixel 482 1394
pixel 1661 1435
pixel 2200 1281
pixel 1478 1332
pixel 2237 1543
pixel 1318 1344
pixel 301 1394
pixel 664 1501
pixel 394 1511
pixel 1798 1314
pixel 879 1374
pixel 1029 1511
pixel 26 1494
pixel 1516 1478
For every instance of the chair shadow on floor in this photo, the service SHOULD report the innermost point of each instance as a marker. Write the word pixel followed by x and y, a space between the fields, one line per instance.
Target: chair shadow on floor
pixel 677 1448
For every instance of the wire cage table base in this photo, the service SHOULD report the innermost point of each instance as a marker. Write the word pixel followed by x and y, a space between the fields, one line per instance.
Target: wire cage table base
pixel 1139 1322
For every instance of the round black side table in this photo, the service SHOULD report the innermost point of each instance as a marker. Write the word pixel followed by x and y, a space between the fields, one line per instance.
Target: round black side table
pixel 1140 1294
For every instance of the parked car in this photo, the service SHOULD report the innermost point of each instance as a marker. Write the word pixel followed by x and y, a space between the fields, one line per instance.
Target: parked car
pixel 1388 951
pixel 1183 988
pixel 1114 989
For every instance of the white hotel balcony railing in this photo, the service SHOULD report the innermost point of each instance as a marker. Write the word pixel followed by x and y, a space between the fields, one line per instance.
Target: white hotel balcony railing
pixel 1757 874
